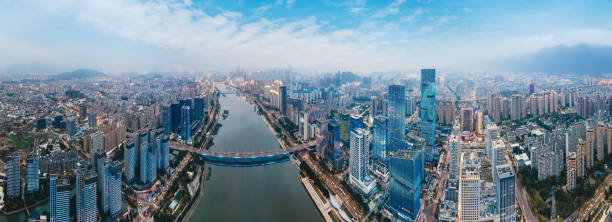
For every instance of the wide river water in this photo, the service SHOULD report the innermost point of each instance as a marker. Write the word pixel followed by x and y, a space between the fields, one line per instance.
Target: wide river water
pixel 261 193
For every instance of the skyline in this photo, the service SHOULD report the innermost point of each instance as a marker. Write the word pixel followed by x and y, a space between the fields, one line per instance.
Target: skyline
pixel 310 36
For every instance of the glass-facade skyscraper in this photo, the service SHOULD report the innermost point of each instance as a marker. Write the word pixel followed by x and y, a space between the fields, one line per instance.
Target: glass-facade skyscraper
pixel 114 188
pixel 405 167
pixel 13 175
pixel 86 200
pixel 397 117
pixel 33 168
pixel 505 185
pixel 59 201
pixel 428 112
pixel 334 155
pixel 379 143
pixel 185 123
pixel 129 156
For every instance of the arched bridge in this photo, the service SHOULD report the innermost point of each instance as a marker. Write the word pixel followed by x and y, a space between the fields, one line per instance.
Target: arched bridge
pixel 243 158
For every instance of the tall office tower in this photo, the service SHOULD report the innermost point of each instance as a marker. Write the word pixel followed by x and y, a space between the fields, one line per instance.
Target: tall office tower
pixel 455 154
pixel 428 112
pixel 515 107
pixel 334 155
pixel 505 187
pixel 185 123
pixel 571 171
pixel 379 144
pixel 198 104
pixel 114 188
pixel 167 120
pixel 356 122
pixel 345 127
pixel 59 200
pixel 322 137
pixel 479 122
pixel 175 112
pixel 282 93
pixel 33 167
pixel 82 111
pixel 143 162
pixel 103 184
pixel 148 162
pixel 304 127
pixel 86 199
pixel 129 156
pixel 411 106
pixel 609 136
pixel 396 117
pixel 164 153
pixel 92 120
pixel 13 175
pixel 405 167
pixel 358 161
pixel 467 119
pixel 71 127
pixel 469 189
pixel 531 88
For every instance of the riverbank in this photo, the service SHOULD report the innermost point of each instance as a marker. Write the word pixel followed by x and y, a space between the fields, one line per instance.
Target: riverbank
pixel 16 211
pixel 324 207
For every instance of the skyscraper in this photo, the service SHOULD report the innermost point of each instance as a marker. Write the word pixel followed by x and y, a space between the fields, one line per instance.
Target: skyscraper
pixel 13 175
pixel 59 201
pixel 469 188
pixel 71 127
pixel 185 123
pixel 396 117
pixel 505 186
pixel 33 167
pixel 467 119
pixel 379 144
pixel 129 156
pixel 334 155
pixel 114 188
pixel 92 120
pixel 82 111
pixel 164 153
pixel 148 162
pixel 199 108
pixel 405 167
pixel 428 112
pixel 358 161
pixel 322 137
pixel 86 199
pixel 282 93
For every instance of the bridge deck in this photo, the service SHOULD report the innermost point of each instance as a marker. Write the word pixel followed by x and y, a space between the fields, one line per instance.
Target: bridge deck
pixel 297 148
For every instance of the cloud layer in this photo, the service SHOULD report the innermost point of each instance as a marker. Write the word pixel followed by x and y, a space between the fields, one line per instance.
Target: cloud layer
pixel 180 36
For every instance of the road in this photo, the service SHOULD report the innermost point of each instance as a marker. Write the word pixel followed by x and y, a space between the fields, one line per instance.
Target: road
pixel 591 205
pixel 524 203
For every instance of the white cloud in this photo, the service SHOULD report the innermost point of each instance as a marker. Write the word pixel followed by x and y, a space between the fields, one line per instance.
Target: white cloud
pixel 391 9
pixel 411 18
pixel 442 20
pixel 290 3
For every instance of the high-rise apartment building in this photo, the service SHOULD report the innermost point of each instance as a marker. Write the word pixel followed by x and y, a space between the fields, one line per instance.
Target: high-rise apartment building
pixel 114 188
pixel 505 187
pixel 59 200
pixel 428 113
pixel 86 199
pixel 571 171
pixel 467 119
pixel 13 175
pixel 33 170
pixel 129 159
pixel 92 120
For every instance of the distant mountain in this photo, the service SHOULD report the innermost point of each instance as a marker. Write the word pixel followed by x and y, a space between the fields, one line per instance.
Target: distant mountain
pixel 578 59
pixel 79 74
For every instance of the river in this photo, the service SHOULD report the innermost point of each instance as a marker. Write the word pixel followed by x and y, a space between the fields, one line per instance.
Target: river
pixel 262 193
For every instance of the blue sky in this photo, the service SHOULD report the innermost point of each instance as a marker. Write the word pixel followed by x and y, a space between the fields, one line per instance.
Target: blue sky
pixel 311 36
